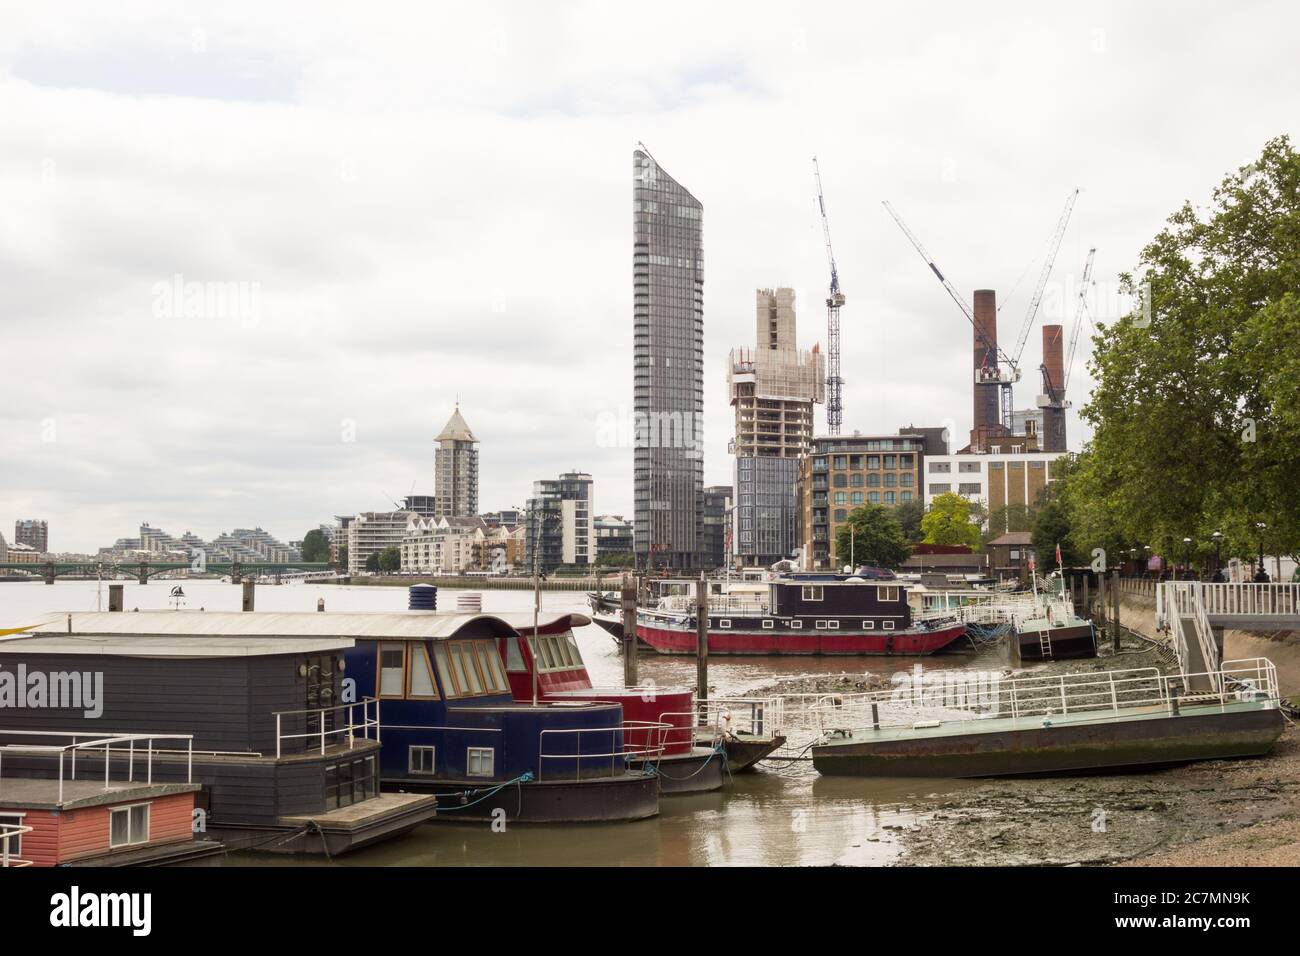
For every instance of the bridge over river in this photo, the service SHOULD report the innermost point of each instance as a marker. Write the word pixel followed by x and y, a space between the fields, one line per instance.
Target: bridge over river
pixel 142 571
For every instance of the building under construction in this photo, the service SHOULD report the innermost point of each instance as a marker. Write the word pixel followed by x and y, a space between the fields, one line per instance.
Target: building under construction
pixel 773 388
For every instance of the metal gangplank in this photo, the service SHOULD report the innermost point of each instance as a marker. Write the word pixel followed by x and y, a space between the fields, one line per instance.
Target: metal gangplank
pixel 1192 611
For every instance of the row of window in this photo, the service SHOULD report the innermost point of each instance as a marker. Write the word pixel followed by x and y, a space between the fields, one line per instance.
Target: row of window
pixel 822 625
pixel 467 669
pixel 479 761
pixel 815 592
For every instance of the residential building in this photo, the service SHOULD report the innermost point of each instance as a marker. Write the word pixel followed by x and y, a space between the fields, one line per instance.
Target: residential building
pixel 503 549
pixel 19 553
pixel 370 532
pixel 508 518
pixel 717 526
pixel 668 367
pixel 442 545
pixel 455 469
pixel 426 506
pixel 561 526
pixel 34 533
pixel 613 535
pixel 1009 473
pixel 844 472
pixel 773 388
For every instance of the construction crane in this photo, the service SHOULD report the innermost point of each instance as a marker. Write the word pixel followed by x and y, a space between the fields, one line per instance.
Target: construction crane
pixel 1055 391
pixel 1036 300
pixel 834 383
pixel 990 374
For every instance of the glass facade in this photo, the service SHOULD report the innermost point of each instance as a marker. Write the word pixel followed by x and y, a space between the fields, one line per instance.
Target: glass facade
pixel 668 363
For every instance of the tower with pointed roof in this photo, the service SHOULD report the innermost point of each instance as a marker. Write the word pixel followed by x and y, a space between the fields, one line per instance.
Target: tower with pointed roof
pixel 455 470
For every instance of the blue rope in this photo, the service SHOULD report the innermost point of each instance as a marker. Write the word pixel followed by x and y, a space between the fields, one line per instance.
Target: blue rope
pixel 525 777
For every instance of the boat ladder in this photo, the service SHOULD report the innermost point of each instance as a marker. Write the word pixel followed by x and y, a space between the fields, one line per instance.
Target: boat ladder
pixel 1045 643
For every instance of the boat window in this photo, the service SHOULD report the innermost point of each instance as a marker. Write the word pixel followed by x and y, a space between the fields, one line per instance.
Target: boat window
pixel 832 625
pixel 796 624
pixel 420 759
pixel 812 592
pixel 514 657
pixel 575 655
pixel 392 660
pixel 462 656
pixel 887 625
pixel 868 625
pixel 128 825
pixel 479 761
pixel 542 651
pixel 493 676
pixel 422 683
pixel 444 670
pixel 15 841
pixel 887 594
pixel 767 624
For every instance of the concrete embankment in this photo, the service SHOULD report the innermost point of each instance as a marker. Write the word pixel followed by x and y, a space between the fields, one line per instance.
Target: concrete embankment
pixel 460 582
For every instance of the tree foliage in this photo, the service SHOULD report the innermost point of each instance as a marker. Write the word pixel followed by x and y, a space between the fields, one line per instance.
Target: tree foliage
pixel 876 538
pixel 1196 411
pixel 949 521
pixel 390 560
pixel 909 515
pixel 314 546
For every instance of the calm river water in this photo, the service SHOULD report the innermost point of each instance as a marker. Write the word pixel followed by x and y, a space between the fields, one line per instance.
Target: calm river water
pixel 782 816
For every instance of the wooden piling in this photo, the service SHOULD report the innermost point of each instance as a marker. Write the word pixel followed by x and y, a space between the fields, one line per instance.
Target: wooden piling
pixel 115 597
pixel 631 587
pixel 702 642
pixel 249 585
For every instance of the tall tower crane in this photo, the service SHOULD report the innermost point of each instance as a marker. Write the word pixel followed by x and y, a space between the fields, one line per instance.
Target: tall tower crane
pixel 834 383
pixel 1055 391
pixel 1054 246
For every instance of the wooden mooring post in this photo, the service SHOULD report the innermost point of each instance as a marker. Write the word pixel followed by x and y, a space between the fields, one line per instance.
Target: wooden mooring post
pixel 702 645
pixel 631 590
pixel 249 586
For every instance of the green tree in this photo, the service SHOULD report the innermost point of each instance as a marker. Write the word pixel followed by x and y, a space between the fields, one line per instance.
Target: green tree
pixel 1051 528
pixel 909 515
pixel 871 535
pixel 343 556
pixel 1196 411
pixel 314 546
pixel 1012 517
pixel 372 562
pixel 949 522
pixel 390 560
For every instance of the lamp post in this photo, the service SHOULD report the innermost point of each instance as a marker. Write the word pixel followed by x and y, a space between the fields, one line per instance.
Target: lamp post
pixel 1187 558
pixel 1261 576
pixel 1218 561
pixel 1146 557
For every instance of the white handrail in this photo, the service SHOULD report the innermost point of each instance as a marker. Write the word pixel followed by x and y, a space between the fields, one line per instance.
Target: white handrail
pixel 7 832
pixel 365 725
pixel 98 743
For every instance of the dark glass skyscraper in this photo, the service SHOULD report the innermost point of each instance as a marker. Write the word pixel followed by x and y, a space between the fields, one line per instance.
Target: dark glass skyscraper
pixel 668 362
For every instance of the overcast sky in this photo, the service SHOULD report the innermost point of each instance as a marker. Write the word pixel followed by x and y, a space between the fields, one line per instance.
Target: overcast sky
pixel 423 203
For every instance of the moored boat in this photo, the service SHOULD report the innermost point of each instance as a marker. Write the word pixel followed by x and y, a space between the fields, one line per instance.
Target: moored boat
pixel 1070 724
pixel 803 615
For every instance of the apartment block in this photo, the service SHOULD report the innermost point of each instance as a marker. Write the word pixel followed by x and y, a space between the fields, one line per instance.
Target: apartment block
pixel 846 472
pixel 370 532
pixel 34 533
pixel 561 525
pixel 1009 473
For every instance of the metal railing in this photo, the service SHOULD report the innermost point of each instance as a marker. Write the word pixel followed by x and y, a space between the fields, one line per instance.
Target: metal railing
pixel 618 750
pixel 94 744
pixel 347 729
pixel 1227 599
pixel 7 832
pixel 755 716
pixel 1109 693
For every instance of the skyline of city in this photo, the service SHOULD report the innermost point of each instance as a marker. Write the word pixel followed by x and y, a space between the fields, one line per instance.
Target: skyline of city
pixel 316 384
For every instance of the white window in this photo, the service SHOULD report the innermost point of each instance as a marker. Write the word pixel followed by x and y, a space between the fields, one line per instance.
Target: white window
pixel 392 660
pixel 821 625
pixel 420 759
pixel 479 761
pixel 724 622
pixel 768 624
pixel 128 825
pixel 796 624
pixel 15 841
pixel 832 625
pixel 887 625
pixel 868 625
pixel 422 684
pixel 812 592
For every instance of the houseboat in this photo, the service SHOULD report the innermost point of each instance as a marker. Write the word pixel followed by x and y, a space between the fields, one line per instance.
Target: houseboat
pixel 81 813
pixel 451 726
pixel 684 756
pixel 802 614
pixel 284 759
pixel 1067 724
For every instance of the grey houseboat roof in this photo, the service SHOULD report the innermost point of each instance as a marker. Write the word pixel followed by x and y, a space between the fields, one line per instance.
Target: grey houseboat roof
pixel 253 634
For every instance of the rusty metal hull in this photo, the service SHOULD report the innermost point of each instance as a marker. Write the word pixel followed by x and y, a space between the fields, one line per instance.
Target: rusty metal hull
pixel 1067 643
pixel 744 751
pixel 1063 748
pixel 699 771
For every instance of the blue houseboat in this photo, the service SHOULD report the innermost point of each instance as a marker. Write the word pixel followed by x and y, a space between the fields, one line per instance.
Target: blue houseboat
pixel 450 726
